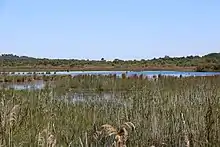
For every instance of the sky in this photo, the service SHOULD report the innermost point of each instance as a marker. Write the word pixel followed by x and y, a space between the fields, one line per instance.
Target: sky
pixel 110 29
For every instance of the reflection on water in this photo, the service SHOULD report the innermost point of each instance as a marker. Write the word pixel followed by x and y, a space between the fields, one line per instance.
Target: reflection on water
pixel 119 73
pixel 37 84
pixel 75 97
pixel 95 98
pixel 173 73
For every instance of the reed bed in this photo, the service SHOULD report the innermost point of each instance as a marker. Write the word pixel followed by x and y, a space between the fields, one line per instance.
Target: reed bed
pixel 161 112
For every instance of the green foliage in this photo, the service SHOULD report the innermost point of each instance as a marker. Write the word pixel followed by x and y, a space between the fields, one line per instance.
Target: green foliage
pixel 168 111
pixel 208 62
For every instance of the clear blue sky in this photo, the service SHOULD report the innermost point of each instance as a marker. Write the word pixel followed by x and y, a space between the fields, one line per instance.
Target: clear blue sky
pixel 125 29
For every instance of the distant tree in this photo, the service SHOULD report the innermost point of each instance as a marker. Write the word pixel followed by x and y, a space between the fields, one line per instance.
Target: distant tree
pixel 102 59
pixel 200 68
pixel 116 61
pixel 209 62
pixel 217 67
pixel 167 57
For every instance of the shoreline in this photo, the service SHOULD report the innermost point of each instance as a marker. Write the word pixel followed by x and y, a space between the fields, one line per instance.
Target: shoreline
pixel 97 68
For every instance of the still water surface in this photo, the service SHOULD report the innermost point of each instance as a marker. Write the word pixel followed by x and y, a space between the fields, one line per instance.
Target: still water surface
pixel 103 98
pixel 129 73
pixel 41 84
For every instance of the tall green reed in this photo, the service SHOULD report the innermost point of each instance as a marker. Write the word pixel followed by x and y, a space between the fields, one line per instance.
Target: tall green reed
pixel 167 111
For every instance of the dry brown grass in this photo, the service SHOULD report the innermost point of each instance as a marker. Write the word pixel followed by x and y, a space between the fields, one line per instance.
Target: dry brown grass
pixel 182 112
pixel 120 135
pixel 46 139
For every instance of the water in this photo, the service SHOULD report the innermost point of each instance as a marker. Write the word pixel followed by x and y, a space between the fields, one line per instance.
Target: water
pixel 37 84
pixel 173 73
pixel 129 73
pixel 41 84
pixel 94 98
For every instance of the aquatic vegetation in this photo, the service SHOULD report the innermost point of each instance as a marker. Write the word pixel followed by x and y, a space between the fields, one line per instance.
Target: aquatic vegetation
pixel 120 136
pixel 131 111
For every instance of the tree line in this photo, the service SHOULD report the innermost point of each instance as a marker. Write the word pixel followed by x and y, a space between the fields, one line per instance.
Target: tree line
pixel 209 62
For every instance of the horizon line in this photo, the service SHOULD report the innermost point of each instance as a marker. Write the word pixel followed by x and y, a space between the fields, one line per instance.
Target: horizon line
pixel 66 58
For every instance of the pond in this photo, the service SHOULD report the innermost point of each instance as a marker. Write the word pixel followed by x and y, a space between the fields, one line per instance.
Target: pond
pixel 39 84
pixel 74 97
pixel 94 98
pixel 119 73
pixel 106 97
